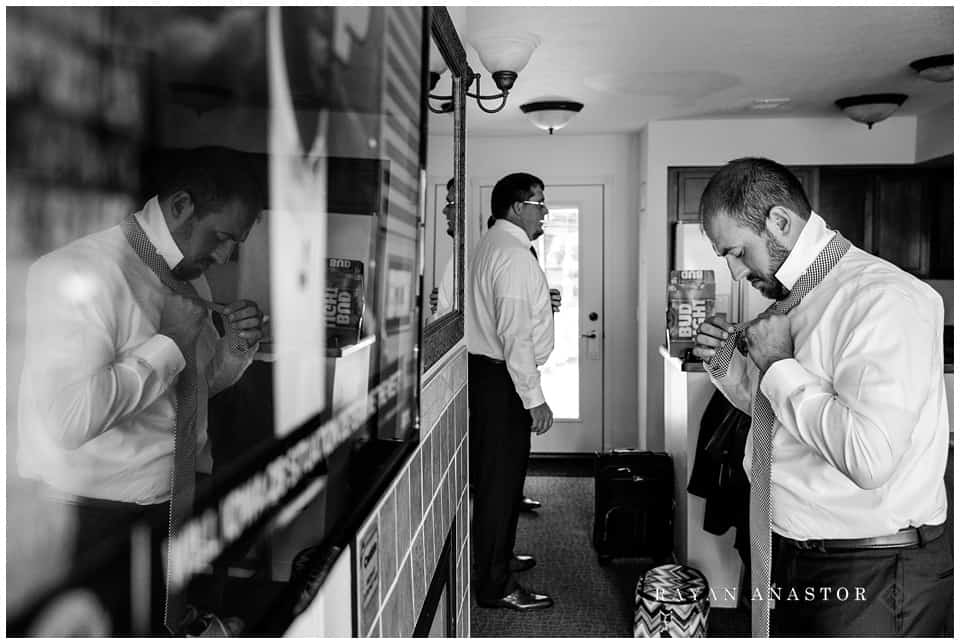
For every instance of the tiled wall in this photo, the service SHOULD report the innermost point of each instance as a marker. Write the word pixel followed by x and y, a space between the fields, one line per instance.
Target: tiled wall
pixel 415 515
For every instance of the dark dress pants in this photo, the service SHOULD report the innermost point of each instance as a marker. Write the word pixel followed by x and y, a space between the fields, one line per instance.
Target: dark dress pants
pixel 499 450
pixel 905 591
pixel 102 554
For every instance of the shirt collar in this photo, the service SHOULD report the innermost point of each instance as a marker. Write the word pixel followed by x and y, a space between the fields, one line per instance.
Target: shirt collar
pixel 813 237
pixel 513 230
pixel 155 226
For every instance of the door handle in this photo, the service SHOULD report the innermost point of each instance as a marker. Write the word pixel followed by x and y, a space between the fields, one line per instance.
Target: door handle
pixel 592 334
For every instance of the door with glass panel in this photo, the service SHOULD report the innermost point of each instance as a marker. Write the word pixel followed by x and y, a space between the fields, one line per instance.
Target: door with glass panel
pixel 571 254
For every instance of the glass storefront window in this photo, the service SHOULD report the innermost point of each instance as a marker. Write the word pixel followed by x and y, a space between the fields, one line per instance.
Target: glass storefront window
pixel 271 158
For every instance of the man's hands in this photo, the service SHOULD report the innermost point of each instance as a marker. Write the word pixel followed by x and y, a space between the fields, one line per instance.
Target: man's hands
pixel 542 418
pixel 767 338
pixel 181 320
pixel 555 299
pixel 712 333
pixel 243 319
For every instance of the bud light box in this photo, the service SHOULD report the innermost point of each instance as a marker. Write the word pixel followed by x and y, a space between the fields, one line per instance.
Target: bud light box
pixel 691 295
pixel 344 302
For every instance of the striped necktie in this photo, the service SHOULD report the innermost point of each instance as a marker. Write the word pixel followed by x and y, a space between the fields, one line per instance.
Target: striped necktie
pixel 761 428
pixel 183 477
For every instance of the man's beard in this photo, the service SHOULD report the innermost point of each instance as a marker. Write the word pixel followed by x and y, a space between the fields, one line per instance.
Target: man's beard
pixel 769 286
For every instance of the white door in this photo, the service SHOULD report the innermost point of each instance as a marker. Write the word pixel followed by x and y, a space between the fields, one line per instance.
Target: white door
pixel 571 254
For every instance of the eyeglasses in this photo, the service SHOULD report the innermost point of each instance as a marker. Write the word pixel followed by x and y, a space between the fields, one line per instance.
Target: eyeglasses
pixel 537 203
pixel 451 204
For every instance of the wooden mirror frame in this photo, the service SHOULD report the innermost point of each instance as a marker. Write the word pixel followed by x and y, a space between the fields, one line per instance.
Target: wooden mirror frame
pixel 441 335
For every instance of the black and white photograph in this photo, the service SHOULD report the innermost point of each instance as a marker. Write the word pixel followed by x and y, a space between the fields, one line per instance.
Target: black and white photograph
pixel 479 321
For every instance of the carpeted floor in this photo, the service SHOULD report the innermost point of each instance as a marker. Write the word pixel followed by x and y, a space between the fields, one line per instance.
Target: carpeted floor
pixel 590 600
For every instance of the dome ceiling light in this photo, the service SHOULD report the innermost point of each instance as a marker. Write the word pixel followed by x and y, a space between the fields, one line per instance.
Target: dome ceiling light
pixel 870 108
pixel 938 69
pixel 551 115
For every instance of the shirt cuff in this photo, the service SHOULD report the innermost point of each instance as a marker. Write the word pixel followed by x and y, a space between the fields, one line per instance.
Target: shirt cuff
pixel 783 378
pixel 532 398
pixel 162 355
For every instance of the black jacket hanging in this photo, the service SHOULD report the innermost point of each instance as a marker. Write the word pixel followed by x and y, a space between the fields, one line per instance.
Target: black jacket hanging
pixel 718 475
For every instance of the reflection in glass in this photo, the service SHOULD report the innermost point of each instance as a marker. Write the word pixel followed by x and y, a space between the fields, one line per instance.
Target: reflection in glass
pixel 321 105
pixel 440 265
pixel 559 253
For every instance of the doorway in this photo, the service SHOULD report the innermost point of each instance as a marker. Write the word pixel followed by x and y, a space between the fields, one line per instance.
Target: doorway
pixel 571 254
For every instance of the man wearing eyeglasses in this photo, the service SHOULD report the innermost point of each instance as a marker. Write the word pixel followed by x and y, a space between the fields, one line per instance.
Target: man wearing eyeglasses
pixel 441 297
pixel 509 322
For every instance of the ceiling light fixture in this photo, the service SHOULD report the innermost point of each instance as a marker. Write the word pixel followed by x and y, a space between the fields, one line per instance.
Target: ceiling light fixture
pixel 870 108
pixel 938 69
pixel 551 115
pixel 504 56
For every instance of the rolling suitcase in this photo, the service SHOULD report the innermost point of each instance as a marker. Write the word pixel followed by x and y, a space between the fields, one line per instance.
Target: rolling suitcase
pixel 633 505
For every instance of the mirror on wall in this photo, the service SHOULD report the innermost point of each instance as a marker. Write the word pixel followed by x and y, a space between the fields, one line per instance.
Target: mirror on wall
pixel 443 221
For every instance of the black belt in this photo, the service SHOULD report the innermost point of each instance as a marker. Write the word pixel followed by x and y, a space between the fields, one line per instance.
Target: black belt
pixel 488 359
pixel 906 538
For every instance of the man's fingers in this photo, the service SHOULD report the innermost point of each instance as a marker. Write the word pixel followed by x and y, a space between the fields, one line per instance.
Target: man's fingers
pixel 704 353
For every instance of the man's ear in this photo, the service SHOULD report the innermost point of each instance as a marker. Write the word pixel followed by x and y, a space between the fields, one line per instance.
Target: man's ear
pixel 181 206
pixel 780 222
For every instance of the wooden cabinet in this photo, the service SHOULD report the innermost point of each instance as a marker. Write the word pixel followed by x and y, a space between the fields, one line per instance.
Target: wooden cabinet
pixel 903 214
pixel 845 198
pixel 689 186
pixel 941 242
pixel 901 220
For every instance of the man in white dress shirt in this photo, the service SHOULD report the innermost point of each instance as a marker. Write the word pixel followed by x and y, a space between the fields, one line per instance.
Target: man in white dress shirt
pixel 853 373
pixel 106 341
pixel 509 325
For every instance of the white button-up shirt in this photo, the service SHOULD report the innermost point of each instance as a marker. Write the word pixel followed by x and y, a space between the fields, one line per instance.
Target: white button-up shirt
pixel 508 313
pixel 97 397
pixel 861 433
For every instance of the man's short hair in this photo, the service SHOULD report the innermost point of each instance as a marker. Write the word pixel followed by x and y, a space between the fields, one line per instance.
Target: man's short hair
pixel 746 189
pixel 213 177
pixel 450 183
pixel 511 189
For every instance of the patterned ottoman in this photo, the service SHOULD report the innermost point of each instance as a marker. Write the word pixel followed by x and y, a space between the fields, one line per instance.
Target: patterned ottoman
pixel 671 601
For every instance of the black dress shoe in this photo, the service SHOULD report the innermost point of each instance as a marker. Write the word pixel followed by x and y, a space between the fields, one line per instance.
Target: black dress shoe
pixel 528 505
pixel 520 599
pixel 519 563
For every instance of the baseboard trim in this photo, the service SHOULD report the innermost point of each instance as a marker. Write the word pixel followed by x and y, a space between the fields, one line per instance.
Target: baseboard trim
pixel 576 464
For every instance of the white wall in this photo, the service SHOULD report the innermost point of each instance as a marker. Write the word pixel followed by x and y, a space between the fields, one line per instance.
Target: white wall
pixel 567 159
pixel 935 133
pixel 713 143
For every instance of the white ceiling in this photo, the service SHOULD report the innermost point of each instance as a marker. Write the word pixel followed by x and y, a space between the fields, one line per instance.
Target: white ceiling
pixel 631 65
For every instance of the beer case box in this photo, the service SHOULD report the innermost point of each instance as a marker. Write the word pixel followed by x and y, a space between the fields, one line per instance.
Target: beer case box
pixel 344 302
pixel 691 297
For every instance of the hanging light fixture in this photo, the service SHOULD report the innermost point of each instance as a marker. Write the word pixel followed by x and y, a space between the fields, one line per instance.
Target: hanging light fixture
pixel 870 108
pixel 938 69
pixel 437 67
pixel 504 56
pixel 551 115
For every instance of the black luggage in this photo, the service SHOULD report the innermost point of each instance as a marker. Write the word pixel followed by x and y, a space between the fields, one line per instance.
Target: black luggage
pixel 633 509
